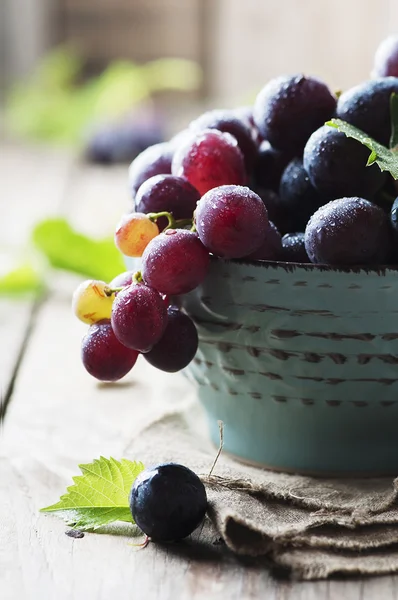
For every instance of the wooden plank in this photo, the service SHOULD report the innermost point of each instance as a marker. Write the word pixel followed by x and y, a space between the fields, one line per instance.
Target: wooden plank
pixel 15 320
pixel 33 182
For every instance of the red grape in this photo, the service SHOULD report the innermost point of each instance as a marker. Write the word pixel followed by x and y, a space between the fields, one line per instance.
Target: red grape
pixel 104 357
pixel 175 262
pixel 167 193
pixel 209 159
pixel 139 317
pixel 122 280
pixel 155 160
pixel 271 248
pixel 177 346
pixel 227 122
pixel 231 221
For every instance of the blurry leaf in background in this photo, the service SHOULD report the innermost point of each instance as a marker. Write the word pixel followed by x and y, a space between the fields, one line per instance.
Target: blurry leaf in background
pixel 72 251
pixel 52 106
pixel 172 74
pixel 59 69
pixel 21 278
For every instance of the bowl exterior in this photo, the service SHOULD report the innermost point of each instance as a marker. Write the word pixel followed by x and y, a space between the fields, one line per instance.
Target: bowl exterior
pixel 300 362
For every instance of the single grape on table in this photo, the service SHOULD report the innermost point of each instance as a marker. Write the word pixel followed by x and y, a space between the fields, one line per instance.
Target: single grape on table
pixel 168 502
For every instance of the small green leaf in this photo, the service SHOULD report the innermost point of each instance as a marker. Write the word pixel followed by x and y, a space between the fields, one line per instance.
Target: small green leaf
pixel 394 122
pixel 100 495
pixel 372 158
pixel 73 251
pixel 386 159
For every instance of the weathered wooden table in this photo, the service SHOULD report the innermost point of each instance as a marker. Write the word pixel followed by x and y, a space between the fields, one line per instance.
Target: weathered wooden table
pixel 56 416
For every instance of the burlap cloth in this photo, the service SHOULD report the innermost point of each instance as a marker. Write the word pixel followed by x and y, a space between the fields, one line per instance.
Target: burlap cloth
pixel 310 528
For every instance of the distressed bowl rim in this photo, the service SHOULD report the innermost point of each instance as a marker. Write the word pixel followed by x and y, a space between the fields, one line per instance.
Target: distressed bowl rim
pixel 290 267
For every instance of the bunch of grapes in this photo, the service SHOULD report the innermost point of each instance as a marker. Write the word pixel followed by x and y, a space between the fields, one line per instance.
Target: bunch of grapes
pixel 269 182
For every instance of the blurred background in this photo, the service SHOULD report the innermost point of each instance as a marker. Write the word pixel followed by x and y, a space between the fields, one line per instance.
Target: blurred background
pixel 239 44
pixel 96 81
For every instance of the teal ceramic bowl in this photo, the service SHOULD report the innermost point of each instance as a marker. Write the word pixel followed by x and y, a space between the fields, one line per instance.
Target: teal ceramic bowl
pixel 300 362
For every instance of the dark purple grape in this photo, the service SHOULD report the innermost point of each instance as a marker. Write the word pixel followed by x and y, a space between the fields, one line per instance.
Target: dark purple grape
pixel 226 122
pixel 122 141
pixel 367 106
pixel 297 196
pixel 210 159
pixel 155 160
pixel 289 108
pixel 275 211
pixel 271 248
pixel 139 317
pixel 245 114
pixel 269 166
pixel 167 193
pixel 336 165
pixel 175 262
pixel 386 58
pixel 103 356
pixel 348 231
pixel 177 346
pixel 168 502
pixel 231 221
pixel 394 215
pixel 293 245
pixel 122 280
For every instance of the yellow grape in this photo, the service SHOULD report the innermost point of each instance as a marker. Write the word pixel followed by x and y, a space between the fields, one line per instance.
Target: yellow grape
pixel 134 233
pixel 90 302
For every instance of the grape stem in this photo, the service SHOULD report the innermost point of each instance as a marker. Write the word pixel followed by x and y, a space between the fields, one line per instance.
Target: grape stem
pixel 137 277
pixel 172 222
pixel 221 430
pixel 109 291
pixel 155 216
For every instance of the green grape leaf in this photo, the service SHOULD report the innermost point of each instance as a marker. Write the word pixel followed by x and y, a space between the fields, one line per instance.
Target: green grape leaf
pixel 394 122
pixel 386 159
pixel 67 249
pixel 100 495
